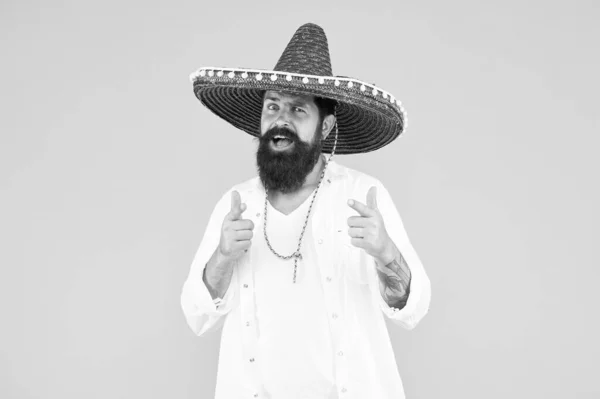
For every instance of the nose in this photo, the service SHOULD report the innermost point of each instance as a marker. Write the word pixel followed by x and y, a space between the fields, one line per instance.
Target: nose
pixel 284 116
pixel 282 122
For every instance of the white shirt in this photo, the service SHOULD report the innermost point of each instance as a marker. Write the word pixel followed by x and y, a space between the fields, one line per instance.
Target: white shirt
pixel 363 360
pixel 296 362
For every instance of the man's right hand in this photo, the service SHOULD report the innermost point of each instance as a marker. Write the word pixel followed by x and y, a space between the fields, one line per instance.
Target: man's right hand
pixel 236 233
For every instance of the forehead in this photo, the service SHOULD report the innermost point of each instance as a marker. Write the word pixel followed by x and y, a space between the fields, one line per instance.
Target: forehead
pixel 289 97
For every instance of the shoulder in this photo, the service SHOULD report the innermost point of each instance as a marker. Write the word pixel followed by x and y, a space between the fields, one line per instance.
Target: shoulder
pixel 249 185
pixel 356 184
pixel 247 189
pixel 353 178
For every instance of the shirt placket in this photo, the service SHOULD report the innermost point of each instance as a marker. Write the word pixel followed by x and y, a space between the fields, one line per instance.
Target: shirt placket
pixel 324 232
pixel 248 315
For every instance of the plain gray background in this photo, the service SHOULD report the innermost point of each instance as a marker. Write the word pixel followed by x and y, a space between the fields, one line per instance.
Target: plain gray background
pixel 109 169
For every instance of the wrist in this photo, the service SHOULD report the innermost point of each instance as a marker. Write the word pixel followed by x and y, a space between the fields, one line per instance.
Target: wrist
pixel 387 255
pixel 217 273
pixel 222 259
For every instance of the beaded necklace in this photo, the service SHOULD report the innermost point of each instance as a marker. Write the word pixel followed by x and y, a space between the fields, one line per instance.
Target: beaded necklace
pixel 297 255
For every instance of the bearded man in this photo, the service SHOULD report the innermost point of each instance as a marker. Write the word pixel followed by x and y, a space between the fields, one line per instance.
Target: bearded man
pixel 300 265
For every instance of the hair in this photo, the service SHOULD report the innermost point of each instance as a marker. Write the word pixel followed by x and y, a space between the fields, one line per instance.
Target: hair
pixel 326 106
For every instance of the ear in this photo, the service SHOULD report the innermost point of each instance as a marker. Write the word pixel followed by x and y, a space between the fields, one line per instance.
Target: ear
pixel 327 126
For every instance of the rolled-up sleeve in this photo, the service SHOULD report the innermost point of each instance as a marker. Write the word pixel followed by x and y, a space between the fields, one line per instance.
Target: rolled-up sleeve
pixel 419 298
pixel 201 312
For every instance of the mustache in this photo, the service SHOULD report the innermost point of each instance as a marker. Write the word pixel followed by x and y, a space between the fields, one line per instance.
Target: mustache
pixel 279 131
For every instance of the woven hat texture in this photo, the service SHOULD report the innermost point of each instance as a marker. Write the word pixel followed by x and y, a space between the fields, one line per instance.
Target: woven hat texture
pixel 368 117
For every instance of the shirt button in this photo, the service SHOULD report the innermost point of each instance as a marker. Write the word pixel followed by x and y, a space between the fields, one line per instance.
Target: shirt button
pixel 344 390
pixel 328 279
pixel 334 315
pixel 258 214
pixel 320 241
pixel 251 360
pixel 247 324
pixel 256 395
pixel 245 285
pixel 340 353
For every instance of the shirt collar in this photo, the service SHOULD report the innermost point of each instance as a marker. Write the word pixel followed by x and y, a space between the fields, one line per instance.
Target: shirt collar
pixel 335 170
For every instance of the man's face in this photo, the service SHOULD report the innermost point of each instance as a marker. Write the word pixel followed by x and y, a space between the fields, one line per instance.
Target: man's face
pixel 290 142
pixel 298 113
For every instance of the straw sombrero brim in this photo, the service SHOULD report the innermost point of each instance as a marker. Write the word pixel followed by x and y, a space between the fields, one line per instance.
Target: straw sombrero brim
pixel 368 117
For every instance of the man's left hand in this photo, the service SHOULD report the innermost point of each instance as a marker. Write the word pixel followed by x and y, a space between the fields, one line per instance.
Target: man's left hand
pixel 368 229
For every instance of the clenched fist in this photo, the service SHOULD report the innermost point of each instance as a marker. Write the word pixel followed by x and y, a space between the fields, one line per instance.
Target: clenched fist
pixel 236 233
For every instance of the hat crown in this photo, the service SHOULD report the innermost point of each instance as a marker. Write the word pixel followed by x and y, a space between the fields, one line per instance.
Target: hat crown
pixel 307 53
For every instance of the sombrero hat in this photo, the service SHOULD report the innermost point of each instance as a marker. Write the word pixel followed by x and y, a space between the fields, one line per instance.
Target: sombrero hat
pixel 368 117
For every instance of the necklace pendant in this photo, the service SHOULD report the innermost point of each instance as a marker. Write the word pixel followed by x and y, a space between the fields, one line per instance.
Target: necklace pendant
pixel 295 266
pixel 297 255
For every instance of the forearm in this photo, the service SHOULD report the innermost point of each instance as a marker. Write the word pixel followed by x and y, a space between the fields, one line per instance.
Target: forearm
pixel 217 274
pixel 394 279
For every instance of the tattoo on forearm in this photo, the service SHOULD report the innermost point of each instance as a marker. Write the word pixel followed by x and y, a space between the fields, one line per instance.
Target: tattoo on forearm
pixel 394 282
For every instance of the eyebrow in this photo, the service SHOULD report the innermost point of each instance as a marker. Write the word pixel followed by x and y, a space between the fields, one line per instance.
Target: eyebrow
pixel 300 103
pixel 296 103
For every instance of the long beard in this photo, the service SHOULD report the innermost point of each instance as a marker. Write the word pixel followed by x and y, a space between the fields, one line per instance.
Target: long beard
pixel 286 171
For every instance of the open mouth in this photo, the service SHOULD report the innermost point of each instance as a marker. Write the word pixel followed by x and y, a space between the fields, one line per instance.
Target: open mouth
pixel 281 143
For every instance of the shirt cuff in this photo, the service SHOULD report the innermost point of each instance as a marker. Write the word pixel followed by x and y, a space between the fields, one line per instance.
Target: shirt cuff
pixel 198 295
pixel 407 315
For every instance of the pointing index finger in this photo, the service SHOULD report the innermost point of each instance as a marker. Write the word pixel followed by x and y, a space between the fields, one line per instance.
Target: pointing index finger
pixel 236 200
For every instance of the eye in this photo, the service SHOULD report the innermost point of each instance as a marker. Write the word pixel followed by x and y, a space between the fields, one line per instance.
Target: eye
pixel 272 107
pixel 297 109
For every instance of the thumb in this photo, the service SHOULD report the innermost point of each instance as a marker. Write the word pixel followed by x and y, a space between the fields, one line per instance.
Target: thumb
pixel 372 198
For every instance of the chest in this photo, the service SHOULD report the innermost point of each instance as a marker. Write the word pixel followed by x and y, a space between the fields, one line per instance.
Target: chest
pixel 287 204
